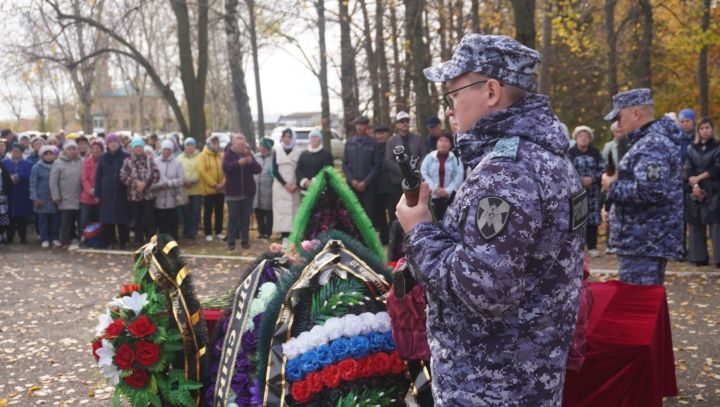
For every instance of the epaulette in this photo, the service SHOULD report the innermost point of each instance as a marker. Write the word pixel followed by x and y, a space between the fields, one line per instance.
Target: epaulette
pixel 505 148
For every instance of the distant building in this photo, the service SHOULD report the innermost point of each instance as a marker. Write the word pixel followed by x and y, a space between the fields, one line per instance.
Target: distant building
pixel 306 119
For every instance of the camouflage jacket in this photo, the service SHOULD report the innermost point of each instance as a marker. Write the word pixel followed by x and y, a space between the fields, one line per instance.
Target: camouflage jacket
pixel 503 270
pixel 647 215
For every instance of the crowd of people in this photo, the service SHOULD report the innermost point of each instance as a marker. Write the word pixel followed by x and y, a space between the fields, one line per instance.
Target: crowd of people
pixel 61 184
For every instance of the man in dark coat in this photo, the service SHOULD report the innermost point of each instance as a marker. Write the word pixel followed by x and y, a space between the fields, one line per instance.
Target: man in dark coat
pixel 502 272
pixel 647 191
pixel 361 164
pixel 114 206
pixel 414 147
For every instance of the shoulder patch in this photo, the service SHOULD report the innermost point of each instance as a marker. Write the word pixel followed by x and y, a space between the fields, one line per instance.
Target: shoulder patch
pixel 578 210
pixel 492 216
pixel 505 148
pixel 653 172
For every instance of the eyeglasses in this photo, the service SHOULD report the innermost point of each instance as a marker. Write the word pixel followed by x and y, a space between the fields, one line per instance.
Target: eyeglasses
pixel 449 100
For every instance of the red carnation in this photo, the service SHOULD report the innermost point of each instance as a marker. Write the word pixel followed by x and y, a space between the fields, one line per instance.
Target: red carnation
pixel 124 356
pixel 95 346
pixel 397 366
pixel 115 329
pixel 364 369
pixel 129 289
pixel 142 327
pixel 147 353
pixel 348 369
pixel 138 379
pixel 331 376
pixel 315 382
pixel 381 363
pixel 301 391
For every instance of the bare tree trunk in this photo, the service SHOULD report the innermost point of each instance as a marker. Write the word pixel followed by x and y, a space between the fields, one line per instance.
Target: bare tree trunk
pixel 475 11
pixel 382 67
pixel 371 62
pixel 256 68
pixel 418 56
pixel 394 32
pixel 525 21
pixel 235 57
pixel 434 97
pixel 703 80
pixel 348 74
pixel 611 36
pixel 323 75
pixel 459 22
pixel 645 56
pixel 544 87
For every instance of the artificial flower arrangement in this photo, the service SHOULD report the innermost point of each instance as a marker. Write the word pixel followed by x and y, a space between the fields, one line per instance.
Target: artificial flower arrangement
pixel 135 347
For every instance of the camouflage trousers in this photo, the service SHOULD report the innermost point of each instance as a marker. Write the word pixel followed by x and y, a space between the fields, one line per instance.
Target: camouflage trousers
pixel 642 270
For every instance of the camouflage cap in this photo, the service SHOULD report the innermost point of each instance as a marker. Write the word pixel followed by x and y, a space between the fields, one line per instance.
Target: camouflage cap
pixel 633 97
pixel 495 56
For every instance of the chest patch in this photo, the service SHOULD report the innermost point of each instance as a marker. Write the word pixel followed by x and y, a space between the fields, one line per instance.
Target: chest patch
pixel 653 172
pixel 578 210
pixel 492 216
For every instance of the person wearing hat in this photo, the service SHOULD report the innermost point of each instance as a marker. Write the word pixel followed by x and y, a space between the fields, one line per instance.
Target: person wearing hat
pixel 502 272
pixel 190 159
pixel 687 118
pixel 44 206
pixel 646 219
pixel 286 192
pixel 212 180
pixel 113 195
pixel 385 197
pixel 83 146
pixel 20 205
pixel 239 166
pixel 65 188
pixel 33 154
pixel 312 160
pixel 361 163
pixel 435 130
pixel 89 204
pixel 263 196
pixel 138 174
pixel 590 166
pixel 169 189
pixel 414 147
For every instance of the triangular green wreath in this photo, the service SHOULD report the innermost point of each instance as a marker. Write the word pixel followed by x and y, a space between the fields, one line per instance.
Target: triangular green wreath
pixel 327 185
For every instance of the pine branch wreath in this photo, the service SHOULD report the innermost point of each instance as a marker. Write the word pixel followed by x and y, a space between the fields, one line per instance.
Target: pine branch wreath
pixel 334 299
pixel 369 397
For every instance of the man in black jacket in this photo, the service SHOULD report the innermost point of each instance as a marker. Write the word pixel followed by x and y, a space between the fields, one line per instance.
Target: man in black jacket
pixel 361 163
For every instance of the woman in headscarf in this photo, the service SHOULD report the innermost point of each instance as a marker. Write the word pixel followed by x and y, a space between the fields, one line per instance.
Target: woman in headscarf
pixel 286 192
pixel 312 160
pixel 114 206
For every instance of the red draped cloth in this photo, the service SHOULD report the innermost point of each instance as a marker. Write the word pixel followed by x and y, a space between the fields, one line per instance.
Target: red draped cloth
pixel 629 358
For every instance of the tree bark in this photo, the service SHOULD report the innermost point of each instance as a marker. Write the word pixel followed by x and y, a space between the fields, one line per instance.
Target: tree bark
pixel 323 75
pixel 611 36
pixel 544 87
pixel 475 14
pixel 418 56
pixel 397 82
pixel 235 58
pixel 459 22
pixel 256 68
pixel 348 74
pixel 525 21
pixel 644 70
pixel 703 80
pixel 372 62
pixel 382 66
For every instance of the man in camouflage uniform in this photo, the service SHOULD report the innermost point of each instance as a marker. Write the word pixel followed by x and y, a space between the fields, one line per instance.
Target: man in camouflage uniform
pixel 503 269
pixel 646 220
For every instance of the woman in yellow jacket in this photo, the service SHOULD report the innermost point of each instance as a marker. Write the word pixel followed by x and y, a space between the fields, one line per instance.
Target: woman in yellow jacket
pixel 212 181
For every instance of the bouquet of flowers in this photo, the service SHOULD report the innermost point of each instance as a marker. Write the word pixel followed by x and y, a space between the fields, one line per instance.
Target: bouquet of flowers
pixel 135 347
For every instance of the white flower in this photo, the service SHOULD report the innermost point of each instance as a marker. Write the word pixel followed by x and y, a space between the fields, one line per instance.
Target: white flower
pixel 103 322
pixel 135 302
pixel 112 373
pixel 106 353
